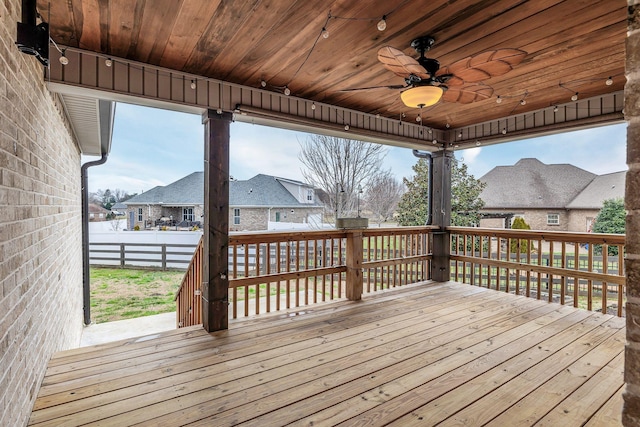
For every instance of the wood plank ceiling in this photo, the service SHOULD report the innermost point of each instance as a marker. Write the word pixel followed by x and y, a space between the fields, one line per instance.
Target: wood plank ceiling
pixel 573 46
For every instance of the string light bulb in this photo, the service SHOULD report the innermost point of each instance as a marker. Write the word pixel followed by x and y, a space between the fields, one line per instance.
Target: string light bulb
pixel 325 33
pixel 434 142
pixel 63 59
pixel 499 100
pixel 382 24
pixel 523 102
pixel 346 127
pixel 504 131
pixel 478 143
pixel 108 62
pixel 287 91
pixel 313 105
pixel 418 119
pixel 193 84
pixel 555 109
pixel 263 83
pixel 609 81
pixel 574 97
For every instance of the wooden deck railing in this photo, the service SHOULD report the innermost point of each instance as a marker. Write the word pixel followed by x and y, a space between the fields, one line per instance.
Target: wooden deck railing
pixel 188 301
pixel 272 271
pixel 582 269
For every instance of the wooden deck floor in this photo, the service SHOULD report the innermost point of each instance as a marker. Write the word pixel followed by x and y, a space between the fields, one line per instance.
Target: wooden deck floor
pixel 445 354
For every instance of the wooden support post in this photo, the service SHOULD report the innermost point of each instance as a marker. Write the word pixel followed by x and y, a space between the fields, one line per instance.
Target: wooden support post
pixel 441 214
pixel 215 281
pixel 354 265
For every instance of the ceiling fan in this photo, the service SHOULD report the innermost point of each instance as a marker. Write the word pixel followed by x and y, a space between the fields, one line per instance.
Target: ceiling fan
pixel 426 82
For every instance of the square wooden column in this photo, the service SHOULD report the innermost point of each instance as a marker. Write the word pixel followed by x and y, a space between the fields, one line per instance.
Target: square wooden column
pixel 215 285
pixel 441 215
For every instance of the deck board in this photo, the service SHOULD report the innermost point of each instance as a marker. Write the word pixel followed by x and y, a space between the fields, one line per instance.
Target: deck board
pixel 418 355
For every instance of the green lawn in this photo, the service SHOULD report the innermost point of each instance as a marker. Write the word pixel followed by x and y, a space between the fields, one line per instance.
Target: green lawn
pixel 118 294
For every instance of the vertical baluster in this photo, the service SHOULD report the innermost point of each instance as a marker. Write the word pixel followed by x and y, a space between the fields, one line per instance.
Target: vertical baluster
pixel 620 273
pixel 278 270
pixel 576 279
pixel 288 282
pixel 590 282
pixel 247 249
pixel 257 273
pixel 605 270
pixel 551 262
pixel 528 274
pixel 268 271
pixel 563 278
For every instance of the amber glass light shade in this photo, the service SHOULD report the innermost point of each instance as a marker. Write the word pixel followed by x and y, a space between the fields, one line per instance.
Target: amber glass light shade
pixel 421 96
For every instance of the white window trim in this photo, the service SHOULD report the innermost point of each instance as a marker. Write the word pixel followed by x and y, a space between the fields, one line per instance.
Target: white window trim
pixel 554 215
pixel 236 216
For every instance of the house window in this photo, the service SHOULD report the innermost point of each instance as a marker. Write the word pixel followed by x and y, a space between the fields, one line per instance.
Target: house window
pixel 139 214
pixel 187 214
pixel 236 216
pixel 553 219
pixel 310 195
pixel 277 216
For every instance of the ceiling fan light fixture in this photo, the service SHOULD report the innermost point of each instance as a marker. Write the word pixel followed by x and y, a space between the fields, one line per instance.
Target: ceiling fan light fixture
pixel 421 96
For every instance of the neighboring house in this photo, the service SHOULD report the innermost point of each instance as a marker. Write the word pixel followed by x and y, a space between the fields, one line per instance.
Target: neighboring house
pixel 252 203
pixel 119 208
pixel 559 197
pixel 97 212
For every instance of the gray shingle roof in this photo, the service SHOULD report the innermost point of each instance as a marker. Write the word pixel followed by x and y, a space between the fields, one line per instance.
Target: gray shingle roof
pixel 533 184
pixel 185 191
pixel 261 190
pixel 603 187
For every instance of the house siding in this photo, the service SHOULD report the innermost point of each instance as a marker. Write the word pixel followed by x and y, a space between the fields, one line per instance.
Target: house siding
pixel 535 218
pixel 40 227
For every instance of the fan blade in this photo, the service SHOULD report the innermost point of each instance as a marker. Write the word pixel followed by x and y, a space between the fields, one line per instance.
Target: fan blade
pixel 400 64
pixel 467 94
pixel 373 87
pixel 485 65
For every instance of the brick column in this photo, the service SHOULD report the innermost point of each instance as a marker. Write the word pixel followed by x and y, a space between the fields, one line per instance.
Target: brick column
pixel 631 409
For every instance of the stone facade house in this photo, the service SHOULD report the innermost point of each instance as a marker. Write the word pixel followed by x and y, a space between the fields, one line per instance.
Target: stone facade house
pixel 253 203
pixel 558 197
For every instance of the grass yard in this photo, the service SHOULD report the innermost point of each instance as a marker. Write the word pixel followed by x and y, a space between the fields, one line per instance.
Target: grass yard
pixel 118 294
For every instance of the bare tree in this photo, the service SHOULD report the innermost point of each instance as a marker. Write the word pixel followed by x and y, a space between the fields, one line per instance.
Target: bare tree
pixel 342 168
pixel 383 195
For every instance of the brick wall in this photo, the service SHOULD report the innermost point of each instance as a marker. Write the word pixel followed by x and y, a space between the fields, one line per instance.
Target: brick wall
pixel 631 410
pixel 40 227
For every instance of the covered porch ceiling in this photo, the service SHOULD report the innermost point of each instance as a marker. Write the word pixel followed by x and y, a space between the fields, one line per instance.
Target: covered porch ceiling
pixel 260 49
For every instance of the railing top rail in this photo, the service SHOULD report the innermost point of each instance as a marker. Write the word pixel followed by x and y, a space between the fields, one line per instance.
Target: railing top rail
pixel 390 231
pixel 280 236
pixel 172 245
pixel 293 235
pixel 559 236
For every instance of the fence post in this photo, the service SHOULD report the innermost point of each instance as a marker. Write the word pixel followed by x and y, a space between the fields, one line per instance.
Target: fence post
pixel 354 265
pixel 164 256
pixel 121 255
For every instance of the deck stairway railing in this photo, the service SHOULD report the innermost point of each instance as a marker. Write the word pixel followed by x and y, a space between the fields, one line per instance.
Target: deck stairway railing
pixel 273 271
pixel 585 270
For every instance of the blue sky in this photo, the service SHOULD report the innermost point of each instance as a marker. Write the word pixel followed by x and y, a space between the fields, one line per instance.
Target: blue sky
pixel 156 147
